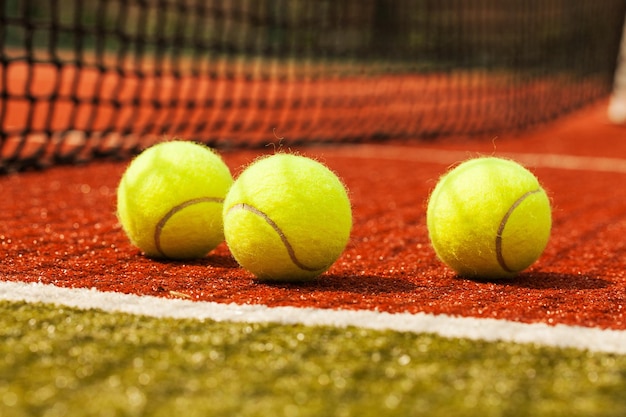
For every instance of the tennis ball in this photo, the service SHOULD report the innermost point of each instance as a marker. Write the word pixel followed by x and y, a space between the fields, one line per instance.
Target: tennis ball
pixel 287 218
pixel 489 218
pixel 169 200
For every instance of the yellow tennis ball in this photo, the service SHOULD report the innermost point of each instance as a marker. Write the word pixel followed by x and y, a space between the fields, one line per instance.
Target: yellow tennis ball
pixel 287 218
pixel 489 218
pixel 170 198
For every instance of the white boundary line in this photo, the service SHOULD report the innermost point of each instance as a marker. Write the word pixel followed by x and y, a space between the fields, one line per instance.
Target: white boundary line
pixel 584 338
pixel 443 156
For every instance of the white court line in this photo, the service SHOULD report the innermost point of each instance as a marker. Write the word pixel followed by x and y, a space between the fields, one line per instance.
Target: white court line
pixel 593 339
pixel 443 156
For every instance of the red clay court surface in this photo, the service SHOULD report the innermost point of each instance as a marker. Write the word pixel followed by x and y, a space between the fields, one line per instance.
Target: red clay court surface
pixel 58 226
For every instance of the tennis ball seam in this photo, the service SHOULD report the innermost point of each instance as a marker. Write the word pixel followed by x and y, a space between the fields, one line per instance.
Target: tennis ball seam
pixel 290 250
pixel 500 232
pixel 163 221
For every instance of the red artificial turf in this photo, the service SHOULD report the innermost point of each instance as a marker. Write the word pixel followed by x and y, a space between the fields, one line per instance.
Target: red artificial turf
pixel 59 227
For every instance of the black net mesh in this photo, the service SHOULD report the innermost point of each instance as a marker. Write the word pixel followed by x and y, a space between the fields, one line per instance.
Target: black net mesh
pixel 81 79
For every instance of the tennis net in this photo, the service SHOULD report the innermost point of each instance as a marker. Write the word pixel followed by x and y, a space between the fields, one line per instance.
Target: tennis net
pixel 83 79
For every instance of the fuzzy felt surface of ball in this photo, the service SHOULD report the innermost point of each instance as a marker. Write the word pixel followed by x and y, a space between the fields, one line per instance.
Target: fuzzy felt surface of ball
pixel 169 200
pixel 489 218
pixel 287 218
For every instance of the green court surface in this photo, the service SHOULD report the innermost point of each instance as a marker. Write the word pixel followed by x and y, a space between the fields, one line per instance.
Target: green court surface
pixel 58 361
